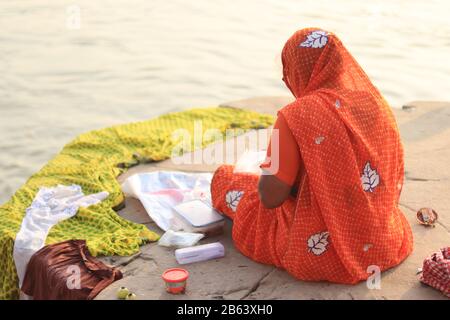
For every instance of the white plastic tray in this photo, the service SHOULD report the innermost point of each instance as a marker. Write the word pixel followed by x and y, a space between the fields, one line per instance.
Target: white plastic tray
pixel 198 213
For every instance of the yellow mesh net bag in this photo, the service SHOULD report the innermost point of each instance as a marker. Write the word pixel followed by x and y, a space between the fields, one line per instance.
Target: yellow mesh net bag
pixel 94 160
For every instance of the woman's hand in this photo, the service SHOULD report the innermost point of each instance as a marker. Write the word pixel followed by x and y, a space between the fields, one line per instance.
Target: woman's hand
pixel 272 191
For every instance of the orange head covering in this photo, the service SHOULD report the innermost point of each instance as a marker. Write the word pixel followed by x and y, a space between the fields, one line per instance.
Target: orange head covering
pixel 350 144
pixel 316 64
pixel 345 220
pixel 314 59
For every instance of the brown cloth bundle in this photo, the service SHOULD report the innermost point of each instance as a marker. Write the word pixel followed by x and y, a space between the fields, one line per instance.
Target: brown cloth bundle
pixel 67 271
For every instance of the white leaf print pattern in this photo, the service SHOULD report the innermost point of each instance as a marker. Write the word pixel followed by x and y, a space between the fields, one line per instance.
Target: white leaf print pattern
pixel 316 39
pixel 232 199
pixel 319 140
pixel 370 178
pixel 317 243
pixel 337 104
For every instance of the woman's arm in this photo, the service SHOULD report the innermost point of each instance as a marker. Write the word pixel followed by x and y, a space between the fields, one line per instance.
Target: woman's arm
pixel 276 184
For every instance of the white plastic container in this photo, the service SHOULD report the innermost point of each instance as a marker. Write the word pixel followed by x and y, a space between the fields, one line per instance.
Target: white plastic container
pixel 197 216
pixel 200 253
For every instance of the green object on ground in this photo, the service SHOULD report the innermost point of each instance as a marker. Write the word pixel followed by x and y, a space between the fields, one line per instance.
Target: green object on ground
pixel 94 160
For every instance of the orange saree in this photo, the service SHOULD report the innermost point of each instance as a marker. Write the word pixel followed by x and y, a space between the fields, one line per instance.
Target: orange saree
pixel 345 216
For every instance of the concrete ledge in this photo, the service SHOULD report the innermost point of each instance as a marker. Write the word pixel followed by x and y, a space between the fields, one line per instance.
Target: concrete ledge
pixel 425 129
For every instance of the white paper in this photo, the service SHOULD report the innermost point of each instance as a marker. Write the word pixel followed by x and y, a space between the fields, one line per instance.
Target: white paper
pixel 250 161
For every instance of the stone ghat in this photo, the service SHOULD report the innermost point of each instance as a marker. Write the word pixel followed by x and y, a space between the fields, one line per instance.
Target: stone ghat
pixel 425 129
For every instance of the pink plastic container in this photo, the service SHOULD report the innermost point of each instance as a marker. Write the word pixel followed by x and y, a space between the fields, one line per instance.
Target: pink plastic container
pixel 176 280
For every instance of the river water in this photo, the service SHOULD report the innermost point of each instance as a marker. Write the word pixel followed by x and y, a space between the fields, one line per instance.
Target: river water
pixel 72 66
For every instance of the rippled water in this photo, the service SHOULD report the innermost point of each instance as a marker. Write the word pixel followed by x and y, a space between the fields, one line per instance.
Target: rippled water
pixel 131 60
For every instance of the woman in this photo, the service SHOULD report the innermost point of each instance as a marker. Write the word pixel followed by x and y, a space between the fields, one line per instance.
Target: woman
pixel 327 208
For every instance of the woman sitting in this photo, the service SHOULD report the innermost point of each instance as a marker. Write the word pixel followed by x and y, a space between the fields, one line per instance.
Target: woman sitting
pixel 326 205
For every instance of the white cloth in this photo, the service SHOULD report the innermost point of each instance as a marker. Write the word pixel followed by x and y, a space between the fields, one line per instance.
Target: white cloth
pixel 160 191
pixel 50 206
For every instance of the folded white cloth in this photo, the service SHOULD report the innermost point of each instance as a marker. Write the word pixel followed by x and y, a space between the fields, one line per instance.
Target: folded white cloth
pixel 50 206
pixel 160 191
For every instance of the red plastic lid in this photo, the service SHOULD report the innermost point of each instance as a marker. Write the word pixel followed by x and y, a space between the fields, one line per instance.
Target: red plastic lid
pixel 175 275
